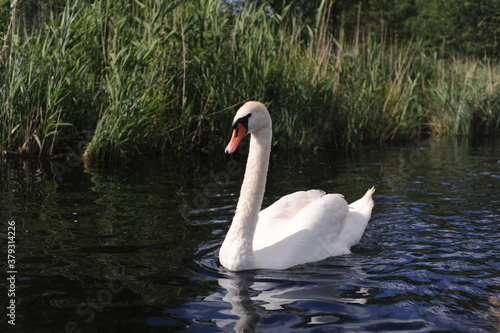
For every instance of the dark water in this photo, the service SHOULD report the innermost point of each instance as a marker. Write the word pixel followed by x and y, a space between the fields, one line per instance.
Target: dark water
pixel 132 247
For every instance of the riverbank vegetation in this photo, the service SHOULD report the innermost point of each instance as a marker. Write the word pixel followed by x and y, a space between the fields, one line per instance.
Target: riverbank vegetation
pixel 110 79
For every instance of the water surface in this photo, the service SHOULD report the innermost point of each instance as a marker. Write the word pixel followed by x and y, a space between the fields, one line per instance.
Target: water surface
pixel 132 247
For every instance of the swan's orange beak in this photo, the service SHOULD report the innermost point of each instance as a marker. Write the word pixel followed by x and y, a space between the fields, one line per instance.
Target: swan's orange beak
pixel 238 134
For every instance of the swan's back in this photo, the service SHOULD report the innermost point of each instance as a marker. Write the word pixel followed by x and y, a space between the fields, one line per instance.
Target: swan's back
pixel 309 226
pixel 275 221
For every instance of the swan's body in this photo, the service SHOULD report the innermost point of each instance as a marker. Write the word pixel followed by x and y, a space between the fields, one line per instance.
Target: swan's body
pixel 299 228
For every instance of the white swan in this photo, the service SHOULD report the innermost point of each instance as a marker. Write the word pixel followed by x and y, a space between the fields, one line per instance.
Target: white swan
pixel 299 228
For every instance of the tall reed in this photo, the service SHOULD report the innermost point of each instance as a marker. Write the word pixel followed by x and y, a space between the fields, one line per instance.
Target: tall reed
pixel 125 77
pixel 465 97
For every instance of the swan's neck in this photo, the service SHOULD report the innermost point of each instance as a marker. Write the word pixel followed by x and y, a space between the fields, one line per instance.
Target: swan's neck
pixel 237 250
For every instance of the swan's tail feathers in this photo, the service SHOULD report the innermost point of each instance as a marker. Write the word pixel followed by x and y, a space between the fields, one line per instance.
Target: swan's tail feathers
pixel 365 204
pixel 360 212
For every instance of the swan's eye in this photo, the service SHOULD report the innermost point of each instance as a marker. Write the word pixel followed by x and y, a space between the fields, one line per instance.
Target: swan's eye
pixel 242 121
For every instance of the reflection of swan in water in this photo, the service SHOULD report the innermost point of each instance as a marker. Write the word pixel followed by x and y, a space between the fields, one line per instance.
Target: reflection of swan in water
pixel 238 294
pixel 247 295
pixel 275 299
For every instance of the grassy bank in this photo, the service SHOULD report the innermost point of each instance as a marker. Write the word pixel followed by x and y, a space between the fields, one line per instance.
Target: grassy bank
pixel 115 78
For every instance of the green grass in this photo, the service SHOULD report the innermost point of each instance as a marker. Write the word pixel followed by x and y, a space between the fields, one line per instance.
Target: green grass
pixel 118 78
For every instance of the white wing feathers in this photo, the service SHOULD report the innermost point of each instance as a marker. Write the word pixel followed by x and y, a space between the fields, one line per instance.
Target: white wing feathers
pixel 309 226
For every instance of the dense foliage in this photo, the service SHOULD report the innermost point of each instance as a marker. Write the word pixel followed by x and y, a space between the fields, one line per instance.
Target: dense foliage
pixel 115 78
pixel 471 28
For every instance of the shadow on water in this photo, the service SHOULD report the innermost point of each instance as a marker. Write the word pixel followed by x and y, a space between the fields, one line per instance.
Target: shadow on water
pixel 134 246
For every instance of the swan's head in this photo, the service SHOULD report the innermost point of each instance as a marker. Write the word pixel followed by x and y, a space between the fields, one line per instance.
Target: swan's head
pixel 250 118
